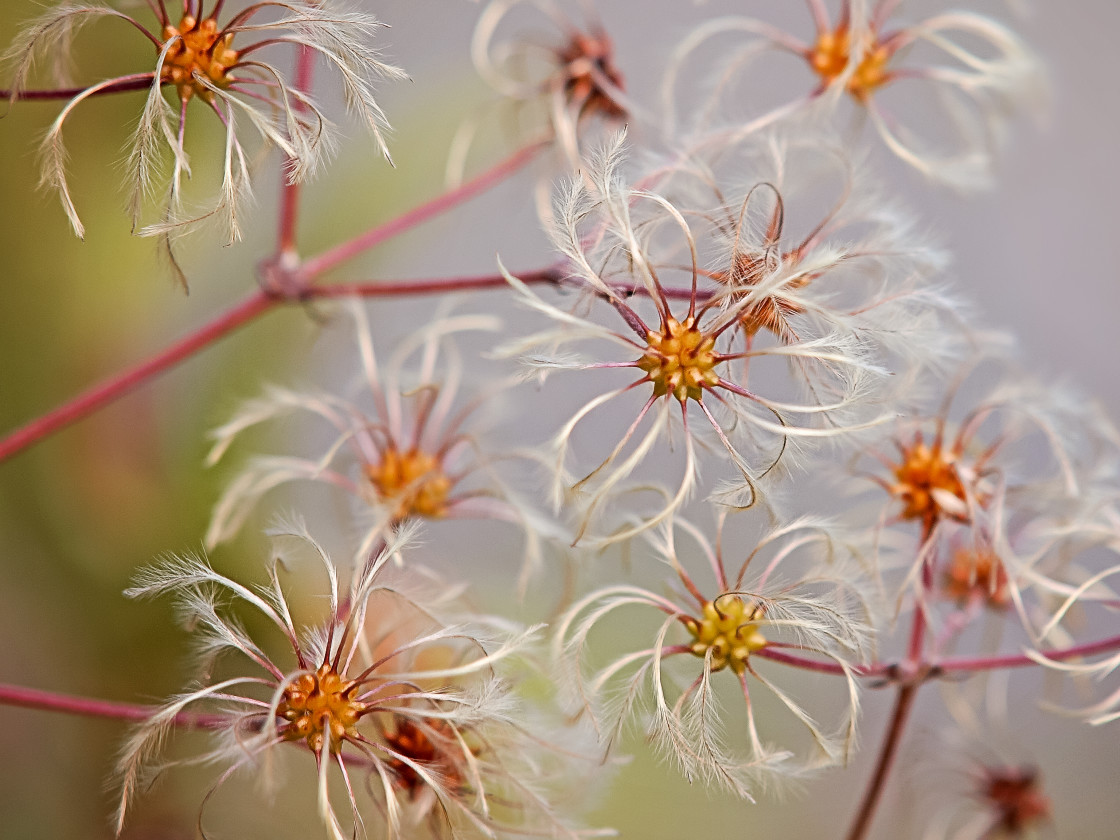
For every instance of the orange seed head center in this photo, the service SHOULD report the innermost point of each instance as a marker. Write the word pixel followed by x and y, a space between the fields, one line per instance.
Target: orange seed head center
pixel 680 360
pixel 414 480
pixel 200 50
pixel 320 706
pixel 831 54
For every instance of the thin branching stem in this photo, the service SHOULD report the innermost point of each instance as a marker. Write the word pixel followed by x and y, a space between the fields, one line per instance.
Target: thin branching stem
pixel 98 397
pixel 50 701
pixel 906 693
pixel 290 192
pixel 314 267
pixel 871 797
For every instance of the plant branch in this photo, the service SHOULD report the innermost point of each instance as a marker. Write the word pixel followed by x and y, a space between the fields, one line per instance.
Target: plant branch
pixel 289 194
pixel 994 663
pixel 139 82
pixel 316 266
pixel 116 387
pixel 49 701
pixel 873 794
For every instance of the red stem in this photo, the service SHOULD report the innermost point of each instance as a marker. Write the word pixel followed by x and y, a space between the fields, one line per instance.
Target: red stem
pixel 316 266
pixel 289 194
pixel 873 670
pixel 992 663
pixel 902 706
pixel 70 93
pixel 49 701
pixel 906 693
pixel 257 304
pixel 101 395
pixel 432 287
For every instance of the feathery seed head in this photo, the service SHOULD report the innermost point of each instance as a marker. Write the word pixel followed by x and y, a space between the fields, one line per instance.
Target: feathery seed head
pixel 586 62
pixel 977 574
pixel 1014 796
pixel 928 483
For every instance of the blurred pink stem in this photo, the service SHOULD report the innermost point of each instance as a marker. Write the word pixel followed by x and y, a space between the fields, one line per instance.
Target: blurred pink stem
pixel 994 663
pixel 101 395
pixel 314 267
pixel 915 669
pixel 49 701
pixel 255 305
pixel 289 194
pixel 901 713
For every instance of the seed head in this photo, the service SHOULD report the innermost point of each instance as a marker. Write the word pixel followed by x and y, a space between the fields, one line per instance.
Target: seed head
pixel 729 631
pixel 680 360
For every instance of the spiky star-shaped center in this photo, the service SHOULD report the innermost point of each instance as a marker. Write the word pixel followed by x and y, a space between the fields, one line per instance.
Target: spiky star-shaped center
pixel 414 480
pixel 928 483
pixel 829 58
pixel 729 631
pixel 320 706
pixel 680 360
pixel 199 50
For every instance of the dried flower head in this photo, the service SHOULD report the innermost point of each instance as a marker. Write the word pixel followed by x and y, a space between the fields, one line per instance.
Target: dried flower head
pixel 1002 510
pixel 1002 802
pixel 615 239
pixel 379 688
pixel 403 448
pixel 787 225
pixel 575 77
pixel 225 67
pixel 968 73
pixel 757 615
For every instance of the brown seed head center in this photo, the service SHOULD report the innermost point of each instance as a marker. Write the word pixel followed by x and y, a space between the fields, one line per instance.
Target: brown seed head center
pixel 729 630
pixel 770 312
pixel 414 480
pixel 977 573
pixel 200 50
pixel 1016 796
pixel 427 744
pixel 320 706
pixel 831 54
pixel 586 61
pixel 680 360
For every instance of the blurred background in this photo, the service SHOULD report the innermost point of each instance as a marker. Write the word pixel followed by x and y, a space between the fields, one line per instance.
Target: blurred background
pixel 82 510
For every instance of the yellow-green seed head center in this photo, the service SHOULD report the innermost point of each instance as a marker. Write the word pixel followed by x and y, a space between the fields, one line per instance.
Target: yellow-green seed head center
pixel 729 630
pixel 680 360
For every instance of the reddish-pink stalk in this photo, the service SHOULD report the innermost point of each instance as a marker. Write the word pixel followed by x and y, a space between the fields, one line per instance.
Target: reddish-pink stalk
pixel 905 699
pixel 994 663
pixel 49 701
pixel 903 703
pixel 117 386
pixel 313 268
pixel 126 84
pixel 289 194
pixel 873 670
pixel 441 285
pixel 99 396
